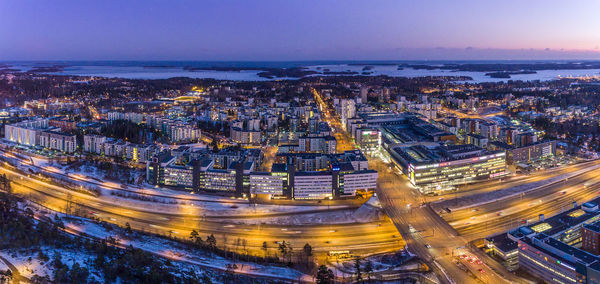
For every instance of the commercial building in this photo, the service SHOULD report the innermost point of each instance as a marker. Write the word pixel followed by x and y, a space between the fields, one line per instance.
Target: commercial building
pixel 560 249
pixel 532 152
pixel 313 185
pixel 270 184
pixel 442 167
pixel 526 154
pixel 590 238
pixel 368 139
pixel 293 175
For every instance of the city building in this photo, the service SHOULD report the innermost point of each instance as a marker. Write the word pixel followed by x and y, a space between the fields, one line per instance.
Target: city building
pixel 39 133
pixel 559 249
pixel 368 139
pixel 439 168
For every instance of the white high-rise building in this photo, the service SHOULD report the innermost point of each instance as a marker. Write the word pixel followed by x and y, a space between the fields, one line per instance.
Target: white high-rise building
pixel 364 93
pixel 348 110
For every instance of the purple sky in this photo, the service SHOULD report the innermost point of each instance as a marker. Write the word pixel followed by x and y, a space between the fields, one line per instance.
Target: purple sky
pixel 299 30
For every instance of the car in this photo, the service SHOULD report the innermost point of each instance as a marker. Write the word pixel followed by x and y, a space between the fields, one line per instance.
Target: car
pixel 428 246
pixel 481 270
pixel 463 256
pixel 479 262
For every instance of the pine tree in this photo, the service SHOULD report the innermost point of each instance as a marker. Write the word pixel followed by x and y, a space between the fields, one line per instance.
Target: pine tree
pixel 325 275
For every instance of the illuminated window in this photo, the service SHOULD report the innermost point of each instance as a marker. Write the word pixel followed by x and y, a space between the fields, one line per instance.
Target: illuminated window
pixel 576 213
pixel 541 227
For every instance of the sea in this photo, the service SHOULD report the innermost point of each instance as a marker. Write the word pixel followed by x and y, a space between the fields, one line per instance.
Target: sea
pixel 170 69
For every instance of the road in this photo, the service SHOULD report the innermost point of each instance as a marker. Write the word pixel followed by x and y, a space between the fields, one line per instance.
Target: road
pixel 432 239
pixel 383 236
pixel 495 217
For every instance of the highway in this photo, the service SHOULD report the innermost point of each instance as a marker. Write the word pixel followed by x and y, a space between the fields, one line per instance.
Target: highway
pixel 495 217
pixel 382 236
pixel 431 238
pixel 394 198
pixel 425 233
pixel 510 181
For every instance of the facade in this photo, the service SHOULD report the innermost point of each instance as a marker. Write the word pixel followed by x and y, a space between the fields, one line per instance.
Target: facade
pixel 355 182
pixel 347 110
pixel 313 185
pixel 58 141
pixel 93 144
pixel 242 136
pixel 317 144
pixel 477 140
pixel 590 238
pixel 559 249
pixel 25 132
pixel 440 168
pixel 332 175
pixel 532 152
pixel 179 176
pixel 39 133
pixel 368 139
pixel 63 124
pixel 270 184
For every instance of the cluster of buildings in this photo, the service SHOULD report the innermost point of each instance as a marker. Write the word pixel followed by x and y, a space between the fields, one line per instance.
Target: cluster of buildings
pixel 432 158
pixel 108 147
pixel 292 175
pixel 175 129
pixel 562 249
pixel 40 133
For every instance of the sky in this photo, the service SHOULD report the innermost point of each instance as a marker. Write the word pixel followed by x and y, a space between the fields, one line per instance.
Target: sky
pixel 286 30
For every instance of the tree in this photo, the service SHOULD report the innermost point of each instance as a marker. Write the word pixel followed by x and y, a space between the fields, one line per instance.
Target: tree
pixel 199 242
pixel 307 251
pixel 128 229
pixel 286 250
pixel 193 235
pixel 369 269
pixel 6 276
pixel 357 269
pixel 324 275
pixel 212 242
pixel 58 222
pixel 264 248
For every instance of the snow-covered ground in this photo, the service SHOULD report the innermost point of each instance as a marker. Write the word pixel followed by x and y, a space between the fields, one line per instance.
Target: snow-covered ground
pixel 173 250
pixel 3 266
pixel 29 263
pixel 364 214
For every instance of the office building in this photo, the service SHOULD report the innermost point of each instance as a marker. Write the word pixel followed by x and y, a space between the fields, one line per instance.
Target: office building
pixel 438 167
